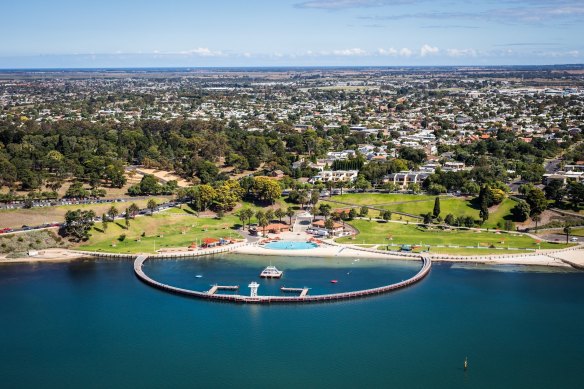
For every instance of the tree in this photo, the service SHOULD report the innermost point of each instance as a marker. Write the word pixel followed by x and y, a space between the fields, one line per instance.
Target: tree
pixel 576 193
pixel 133 209
pixel 361 183
pixel 314 197
pixel 450 219
pixel 555 190
pixel 267 189
pixel 468 221
pixel 280 213
pixel 204 195
pixel 263 223
pixel 325 210
pixel 290 212
pixel 78 224
pixel 364 211
pixel 260 214
pixel 76 190
pixel 521 211
pixel 536 218
pixel 484 212
pixel 436 189
pixel 270 214
pixel 537 201
pixel 243 216
pixel 248 214
pixel 113 212
pixel 414 188
pixel 329 224
pixel 428 218
pixel 151 205
pixel 302 198
pixel 104 222
pixel 567 231
pixel 436 211
pixel 470 188
pixel 386 215
pixel 127 218
pixel 352 213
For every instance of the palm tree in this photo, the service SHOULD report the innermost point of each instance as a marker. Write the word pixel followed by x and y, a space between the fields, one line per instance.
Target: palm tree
pixel 249 214
pixel 260 215
pixel 302 198
pixel 270 215
pixel 113 212
pixel 290 212
pixel 242 217
pixel 536 218
pixel 263 222
pixel 280 213
pixel 567 231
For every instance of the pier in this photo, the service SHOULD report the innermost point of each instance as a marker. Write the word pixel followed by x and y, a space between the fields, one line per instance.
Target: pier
pixel 216 288
pixel 302 298
pixel 303 291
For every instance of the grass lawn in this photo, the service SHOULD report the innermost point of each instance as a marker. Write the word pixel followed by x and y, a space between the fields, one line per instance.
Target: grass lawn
pixel 164 229
pixel 458 207
pixel 379 233
pixel 576 231
pixel 379 198
pixel 410 203
pixel 15 218
pixel 470 252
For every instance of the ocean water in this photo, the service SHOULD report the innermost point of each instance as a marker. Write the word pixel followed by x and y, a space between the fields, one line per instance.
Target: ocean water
pixel 92 324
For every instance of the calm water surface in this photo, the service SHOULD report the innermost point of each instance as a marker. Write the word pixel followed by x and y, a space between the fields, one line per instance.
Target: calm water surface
pixel 93 324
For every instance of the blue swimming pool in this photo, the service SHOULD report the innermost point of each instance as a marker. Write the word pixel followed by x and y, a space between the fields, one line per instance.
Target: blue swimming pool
pixel 290 245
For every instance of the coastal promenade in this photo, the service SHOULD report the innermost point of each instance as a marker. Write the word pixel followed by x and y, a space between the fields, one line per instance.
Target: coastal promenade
pixel 303 298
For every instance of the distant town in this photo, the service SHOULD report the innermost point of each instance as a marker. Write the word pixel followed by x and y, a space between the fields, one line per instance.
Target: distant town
pixel 503 145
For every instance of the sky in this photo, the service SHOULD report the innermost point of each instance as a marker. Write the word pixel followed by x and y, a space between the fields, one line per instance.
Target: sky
pixel 200 33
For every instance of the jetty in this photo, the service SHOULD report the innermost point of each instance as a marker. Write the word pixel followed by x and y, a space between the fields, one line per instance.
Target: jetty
pixel 302 291
pixel 302 298
pixel 216 288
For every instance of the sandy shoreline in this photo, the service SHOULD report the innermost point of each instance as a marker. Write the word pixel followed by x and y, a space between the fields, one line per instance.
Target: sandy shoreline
pixel 568 258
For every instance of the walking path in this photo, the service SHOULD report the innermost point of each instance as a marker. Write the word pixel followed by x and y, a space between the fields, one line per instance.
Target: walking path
pixel 302 298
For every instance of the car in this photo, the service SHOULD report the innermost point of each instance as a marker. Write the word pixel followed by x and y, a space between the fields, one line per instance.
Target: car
pixel 574 239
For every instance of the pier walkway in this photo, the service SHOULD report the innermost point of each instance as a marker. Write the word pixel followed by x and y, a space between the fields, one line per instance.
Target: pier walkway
pixel 302 298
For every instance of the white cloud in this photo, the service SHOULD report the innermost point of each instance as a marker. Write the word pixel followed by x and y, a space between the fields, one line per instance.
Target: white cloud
pixel 428 50
pixel 461 53
pixel 405 52
pixel 388 52
pixel 354 52
pixel 203 52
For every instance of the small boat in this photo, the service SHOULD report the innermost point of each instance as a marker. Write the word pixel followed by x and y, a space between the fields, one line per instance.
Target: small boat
pixel 271 272
pixel 465 363
pixel 334 281
pixel 199 276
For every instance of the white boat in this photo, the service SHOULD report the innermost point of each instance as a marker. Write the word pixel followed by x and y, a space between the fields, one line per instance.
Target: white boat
pixel 199 276
pixel 271 272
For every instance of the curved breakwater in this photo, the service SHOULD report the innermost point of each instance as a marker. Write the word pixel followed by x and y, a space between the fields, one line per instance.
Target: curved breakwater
pixel 426 266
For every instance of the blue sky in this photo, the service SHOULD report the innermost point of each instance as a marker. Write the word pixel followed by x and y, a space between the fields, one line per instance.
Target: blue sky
pixel 108 33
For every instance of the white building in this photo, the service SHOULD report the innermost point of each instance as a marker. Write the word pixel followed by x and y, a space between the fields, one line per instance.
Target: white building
pixel 405 178
pixel 335 176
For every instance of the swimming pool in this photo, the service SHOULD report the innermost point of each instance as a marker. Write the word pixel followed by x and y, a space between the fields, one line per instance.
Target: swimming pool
pixel 290 245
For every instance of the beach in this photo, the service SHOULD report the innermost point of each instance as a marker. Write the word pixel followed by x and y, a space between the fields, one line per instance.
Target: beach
pixel 572 257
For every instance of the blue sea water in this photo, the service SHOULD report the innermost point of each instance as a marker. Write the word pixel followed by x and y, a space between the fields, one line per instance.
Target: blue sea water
pixel 93 324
